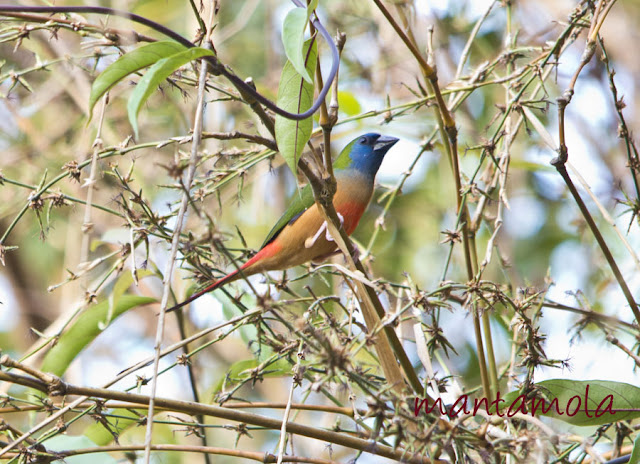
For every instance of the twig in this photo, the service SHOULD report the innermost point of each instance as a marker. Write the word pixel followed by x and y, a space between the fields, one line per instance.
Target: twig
pixel 285 418
pixel 614 341
pixel 423 352
pixel 449 133
pixel 75 25
pixel 589 314
pixel 206 450
pixel 89 183
pixel 345 411
pixel 372 309
pixel 472 35
pixel 606 216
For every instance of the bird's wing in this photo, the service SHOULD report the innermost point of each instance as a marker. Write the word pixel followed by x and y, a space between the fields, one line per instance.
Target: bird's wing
pixel 300 202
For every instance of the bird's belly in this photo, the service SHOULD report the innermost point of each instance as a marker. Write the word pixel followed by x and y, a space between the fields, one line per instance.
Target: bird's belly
pixel 306 239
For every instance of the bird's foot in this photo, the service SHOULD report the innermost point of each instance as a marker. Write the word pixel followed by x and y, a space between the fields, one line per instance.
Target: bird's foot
pixel 321 259
pixel 328 234
pixel 308 243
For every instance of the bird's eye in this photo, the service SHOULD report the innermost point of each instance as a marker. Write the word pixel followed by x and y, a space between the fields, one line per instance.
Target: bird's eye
pixel 363 140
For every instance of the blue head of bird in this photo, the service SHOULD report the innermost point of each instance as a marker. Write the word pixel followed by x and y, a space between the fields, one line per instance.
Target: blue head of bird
pixel 365 154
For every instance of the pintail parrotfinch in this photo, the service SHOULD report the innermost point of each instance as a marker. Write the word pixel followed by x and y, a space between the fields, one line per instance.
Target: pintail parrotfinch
pixel 300 235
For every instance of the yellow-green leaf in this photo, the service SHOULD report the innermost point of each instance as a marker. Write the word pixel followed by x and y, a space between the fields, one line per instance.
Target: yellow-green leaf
pixel 156 74
pixel 84 330
pixel 348 103
pixel 129 63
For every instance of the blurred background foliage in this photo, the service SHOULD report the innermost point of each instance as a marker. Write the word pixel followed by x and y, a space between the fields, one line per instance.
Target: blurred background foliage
pixel 45 80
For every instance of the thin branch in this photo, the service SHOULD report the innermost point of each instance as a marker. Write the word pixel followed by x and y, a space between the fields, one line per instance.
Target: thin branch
pixel 253 455
pixel 187 407
pixel 89 183
pixel 607 217
pixel 168 274
pixel 614 341
pixel 372 310
pixel 560 165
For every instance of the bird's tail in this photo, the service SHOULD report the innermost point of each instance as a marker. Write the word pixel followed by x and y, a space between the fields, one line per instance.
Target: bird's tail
pixel 218 283
pixel 246 269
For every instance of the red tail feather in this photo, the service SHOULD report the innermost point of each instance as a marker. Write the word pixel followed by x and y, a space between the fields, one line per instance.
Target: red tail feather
pixel 210 288
pixel 268 250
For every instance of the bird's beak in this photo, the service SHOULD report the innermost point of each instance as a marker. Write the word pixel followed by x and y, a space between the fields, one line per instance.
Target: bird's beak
pixel 384 143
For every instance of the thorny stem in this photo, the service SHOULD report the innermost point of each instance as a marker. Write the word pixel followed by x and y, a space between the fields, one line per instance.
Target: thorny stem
pixel 428 71
pixel 502 170
pixel 345 411
pixel 109 32
pixel 614 341
pixel 44 188
pixel 607 217
pixel 168 274
pixel 87 227
pixel 64 196
pixel 632 154
pixel 325 124
pixel 559 164
pixel 560 161
pixel 511 102
pixel 590 47
pixel 209 410
pixel 472 36
pixel 287 409
pixel 372 309
pixel 449 135
pixel 193 382
pixel 206 450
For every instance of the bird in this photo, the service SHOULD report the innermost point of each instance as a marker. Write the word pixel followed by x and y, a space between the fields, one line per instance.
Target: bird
pixel 301 235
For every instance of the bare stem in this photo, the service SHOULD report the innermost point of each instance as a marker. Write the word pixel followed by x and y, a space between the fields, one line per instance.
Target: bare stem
pixel 168 274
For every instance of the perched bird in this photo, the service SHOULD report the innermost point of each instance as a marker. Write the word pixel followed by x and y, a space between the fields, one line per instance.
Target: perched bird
pixel 301 234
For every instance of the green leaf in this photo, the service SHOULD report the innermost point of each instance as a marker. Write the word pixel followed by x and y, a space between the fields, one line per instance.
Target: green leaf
pixel 583 402
pixel 293 29
pixel 635 454
pixel 129 63
pixel 348 103
pixel 121 286
pixel 156 74
pixel 84 330
pixel 295 95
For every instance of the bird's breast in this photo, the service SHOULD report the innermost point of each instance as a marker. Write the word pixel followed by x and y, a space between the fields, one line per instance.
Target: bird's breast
pixel 352 197
pixel 305 239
